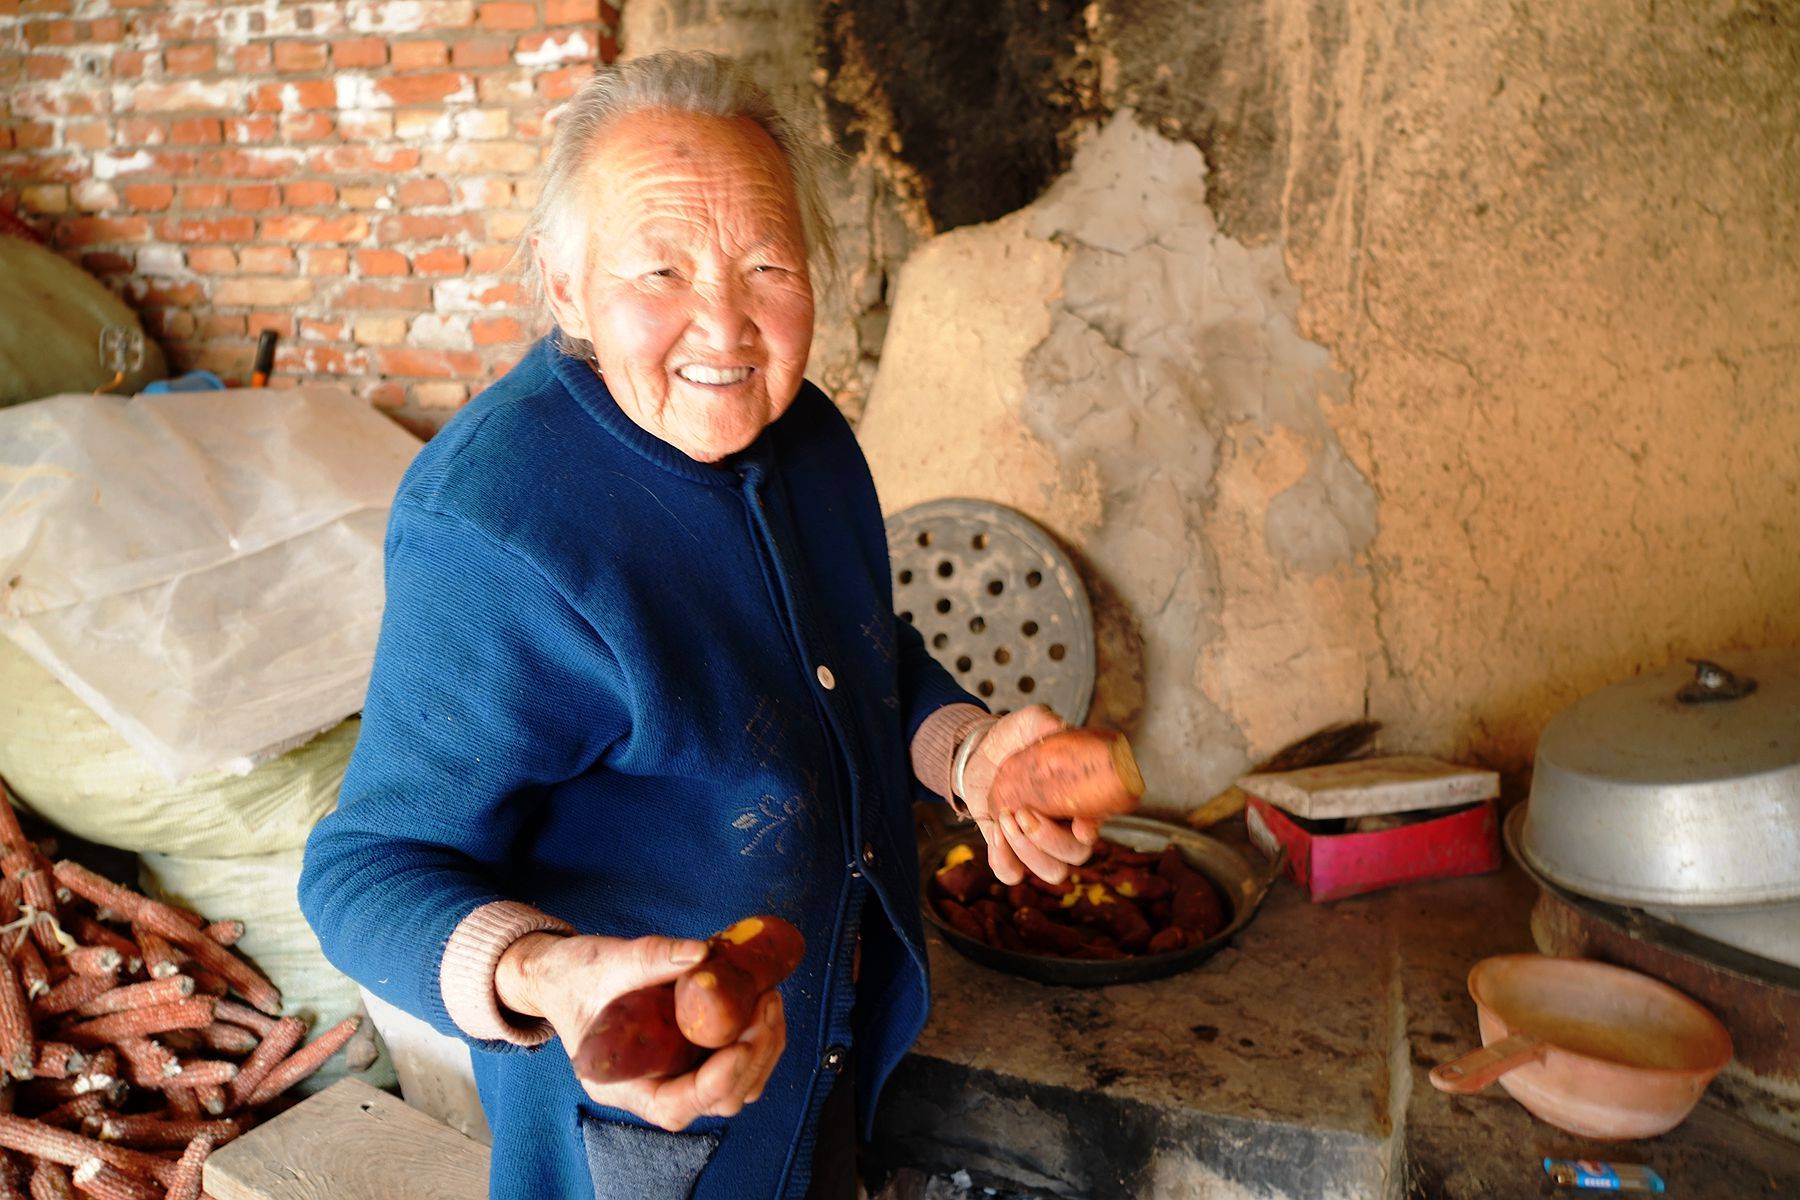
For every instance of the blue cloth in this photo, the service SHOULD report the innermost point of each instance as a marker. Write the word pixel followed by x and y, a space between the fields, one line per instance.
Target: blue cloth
pixel 598 691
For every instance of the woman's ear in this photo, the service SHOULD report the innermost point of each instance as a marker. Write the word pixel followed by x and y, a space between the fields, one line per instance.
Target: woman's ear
pixel 559 293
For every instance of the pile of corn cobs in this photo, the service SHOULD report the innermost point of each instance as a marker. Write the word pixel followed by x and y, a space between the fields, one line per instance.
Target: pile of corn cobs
pixel 127 1061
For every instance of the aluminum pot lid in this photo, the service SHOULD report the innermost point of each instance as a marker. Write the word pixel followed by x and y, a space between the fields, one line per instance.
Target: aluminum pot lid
pixel 1701 722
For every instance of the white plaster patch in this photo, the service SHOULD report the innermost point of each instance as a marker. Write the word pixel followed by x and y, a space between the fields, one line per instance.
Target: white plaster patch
pixel 110 166
pixel 161 260
pixel 437 331
pixel 576 47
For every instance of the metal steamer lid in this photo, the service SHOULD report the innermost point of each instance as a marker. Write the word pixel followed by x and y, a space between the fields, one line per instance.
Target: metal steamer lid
pixel 1679 787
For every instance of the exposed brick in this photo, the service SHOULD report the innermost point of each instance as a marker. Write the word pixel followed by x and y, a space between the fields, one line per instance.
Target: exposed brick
pixel 149 197
pixel 308 194
pixel 440 260
pixel 223 325
pixel 492 259
pixel 42 68
pixel 481 52
pixel 253 59
pixel 425 227
pixel 562 83
pixel 483 124
pixel 408 362
pixel 422 124
pixel 381 262
pixel 206 229
pixel 187 94
pixel 94 195
pixel 508 14
pixel 481 194
pixel 440 394
pixel 363 160
pixel 105 30
pixel 257 197
pixel 242 131
pixel 495 331
pixel 197 131
pixel 51 33
pixel 299 227
pixel 571 12
pixel 167 162
pixel 88 231
pixel 281 323
pixel 199 196
pixel 481 158
pixel 197 59
pixel 87 135
pixel 353 53
pixel 422 193
pixel 407 295
pixel 266 260
pixel 248 293
pixel 380 330
pixel 49 198
pixel 386 395
pixel 294 55
pixel 416 56
pixel 324 261
pixel 314 329
pixel 271 163
pixel 294 95
pixel 434 88
pixel 364 196
pixel 358 125
pixel 306 127
pixel 129 64
pixel 506 226
pixel 213 260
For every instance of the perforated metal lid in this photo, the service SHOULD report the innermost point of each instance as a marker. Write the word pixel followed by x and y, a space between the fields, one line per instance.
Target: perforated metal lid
pixel 998 603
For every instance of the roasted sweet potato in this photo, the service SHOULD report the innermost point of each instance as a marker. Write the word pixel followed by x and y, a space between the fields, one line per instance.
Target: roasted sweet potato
pixel 1118 919
pixel 636 1036
pixel 715 1002
pixel 1075 773
pixel 1135 883
pixel 965 875
pixel 1195 906
pixel 1044 936
pixel 1169 940
pixel 959 918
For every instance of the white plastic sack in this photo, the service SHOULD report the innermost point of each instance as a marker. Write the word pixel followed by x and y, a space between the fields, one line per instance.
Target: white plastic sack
pixel 261 892
pixel 72 769
pixel 203 569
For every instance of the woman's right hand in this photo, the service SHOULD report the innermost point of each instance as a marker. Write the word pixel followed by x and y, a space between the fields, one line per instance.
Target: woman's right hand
pixel 568 980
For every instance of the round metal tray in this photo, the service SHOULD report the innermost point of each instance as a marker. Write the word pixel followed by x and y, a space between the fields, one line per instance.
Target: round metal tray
pixel 997 602
pixel 1239 884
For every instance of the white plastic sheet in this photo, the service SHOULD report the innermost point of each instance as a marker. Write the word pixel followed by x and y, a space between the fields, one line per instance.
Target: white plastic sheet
pixel 203 569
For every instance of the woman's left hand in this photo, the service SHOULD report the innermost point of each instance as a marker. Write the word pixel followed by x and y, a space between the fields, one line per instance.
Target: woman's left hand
pixel 1024 840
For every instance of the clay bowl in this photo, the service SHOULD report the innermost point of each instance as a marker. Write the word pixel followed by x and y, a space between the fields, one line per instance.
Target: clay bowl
pixel 1591 1048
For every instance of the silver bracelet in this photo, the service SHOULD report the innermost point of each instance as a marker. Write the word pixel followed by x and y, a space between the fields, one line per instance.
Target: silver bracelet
pixel 964 752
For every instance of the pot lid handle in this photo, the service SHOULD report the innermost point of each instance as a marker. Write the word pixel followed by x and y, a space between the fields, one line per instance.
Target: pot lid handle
pixel 1713 683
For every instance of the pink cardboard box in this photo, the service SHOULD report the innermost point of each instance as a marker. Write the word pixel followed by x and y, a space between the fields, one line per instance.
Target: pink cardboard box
pixel 1331 866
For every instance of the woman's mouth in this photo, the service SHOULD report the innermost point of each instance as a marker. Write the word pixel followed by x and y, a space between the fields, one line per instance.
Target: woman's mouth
pixel 714 376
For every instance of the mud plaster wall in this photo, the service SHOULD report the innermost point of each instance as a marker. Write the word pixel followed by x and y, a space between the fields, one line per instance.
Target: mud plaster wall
pixel 1506 409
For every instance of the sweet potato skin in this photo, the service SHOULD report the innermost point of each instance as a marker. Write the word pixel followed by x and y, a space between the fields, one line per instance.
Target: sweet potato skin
pixel 636 1037
pixel 1074 773
pixel 716 1001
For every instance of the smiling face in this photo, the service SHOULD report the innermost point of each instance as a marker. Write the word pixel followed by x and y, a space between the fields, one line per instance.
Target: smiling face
pixel 696 295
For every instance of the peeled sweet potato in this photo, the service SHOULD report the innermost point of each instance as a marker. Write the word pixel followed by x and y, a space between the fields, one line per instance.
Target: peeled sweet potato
pixel 636 1036
pixel 964 875
pixel 715 1002
pixel 1075 773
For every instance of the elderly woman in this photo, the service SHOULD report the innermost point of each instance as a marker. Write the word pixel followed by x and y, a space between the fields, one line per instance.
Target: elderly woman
pixel 639 676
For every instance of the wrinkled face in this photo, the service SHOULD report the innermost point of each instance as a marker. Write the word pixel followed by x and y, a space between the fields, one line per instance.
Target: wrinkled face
pixel 696 295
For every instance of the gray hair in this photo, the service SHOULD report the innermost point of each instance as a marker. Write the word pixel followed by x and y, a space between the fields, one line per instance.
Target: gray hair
pixel 692 81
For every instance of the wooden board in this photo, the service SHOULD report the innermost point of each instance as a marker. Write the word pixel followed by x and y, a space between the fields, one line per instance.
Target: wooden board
pixel 1373 786
pixel 350 1142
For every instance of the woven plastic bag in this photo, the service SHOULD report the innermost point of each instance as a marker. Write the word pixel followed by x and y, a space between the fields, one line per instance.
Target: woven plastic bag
pixel 261 892
pixel 74 770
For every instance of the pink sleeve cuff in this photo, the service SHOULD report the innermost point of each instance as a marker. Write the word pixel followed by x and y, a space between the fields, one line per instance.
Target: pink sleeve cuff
pixel 934 746
pixel 466 976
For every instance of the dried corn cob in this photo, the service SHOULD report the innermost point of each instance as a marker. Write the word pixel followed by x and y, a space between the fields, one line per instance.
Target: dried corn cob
pixel 15 863
pixel 72 1149
pixel 226 933
pixel 40 894
pixel 304 1061
pixel 95 960
pixel 228 1039
pixel 12 836
pixel 101 1179
pixel 137 995
pixel 182 1103
pixel 18 1044
pixel 139 910
pixel 154 1131
pixel 245 979
pixel 275 1046
pixel 71 1113
pixel 260 1024
pixel 149 1064
pixel 101 1072
pixel 57 1060
pixel 34 976
pixel 185 1183
pixel 213 1099
pixel 205 982
pixel 90 932
pixel 12 1179
pixel 71 994
pixel 193 1013
pixel 202 1072
pixel 50 1181
pixel 159 955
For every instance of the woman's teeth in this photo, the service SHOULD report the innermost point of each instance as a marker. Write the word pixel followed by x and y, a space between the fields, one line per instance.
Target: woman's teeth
pixel 713 375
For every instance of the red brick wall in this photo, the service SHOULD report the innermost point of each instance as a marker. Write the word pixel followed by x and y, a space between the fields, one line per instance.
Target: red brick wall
pixel 351 174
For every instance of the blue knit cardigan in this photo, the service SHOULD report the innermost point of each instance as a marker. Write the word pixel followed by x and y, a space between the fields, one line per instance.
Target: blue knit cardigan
pixel 645 695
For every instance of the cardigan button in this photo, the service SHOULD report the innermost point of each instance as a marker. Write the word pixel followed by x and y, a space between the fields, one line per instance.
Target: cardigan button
pixel 826 679
pixel 834 1058
pixel 869 853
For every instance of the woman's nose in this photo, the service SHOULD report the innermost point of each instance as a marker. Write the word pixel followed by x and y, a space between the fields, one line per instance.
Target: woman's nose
pixel 722 315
